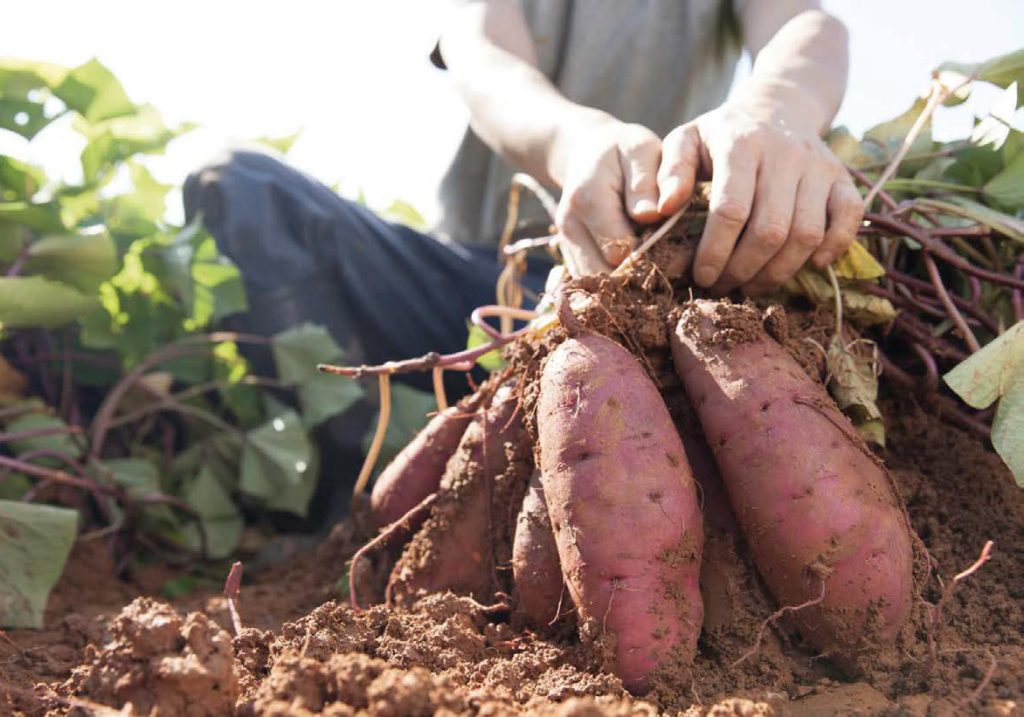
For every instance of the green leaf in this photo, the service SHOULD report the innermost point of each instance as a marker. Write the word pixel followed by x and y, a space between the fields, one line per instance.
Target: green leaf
pixel 23 117
pixel 218 289
pixel 971 209
pixel 1003 71
pixel 34 544
pixel 889 135
pixel 93 91
pixel 322 396
pixel 219 515
pixel 281 144
pixel 19 180
pixel 1008 428
pixel 14 486
pixel 297 352
pixel 850 150
pixel 58 442
pixel 135 475
pixel 405 213
pixel 277 464
pixel 37 302
pixel 989 373
pixel 179 587
pixel 43 218
pixel 137 213
pixel 409 409
pixel 84 261
pixel 1006 189
pixel 19 111
pixel 114 140
pixel 490 361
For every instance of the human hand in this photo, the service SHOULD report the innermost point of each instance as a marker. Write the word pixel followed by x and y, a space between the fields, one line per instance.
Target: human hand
pixel 778 195
pixel 609 177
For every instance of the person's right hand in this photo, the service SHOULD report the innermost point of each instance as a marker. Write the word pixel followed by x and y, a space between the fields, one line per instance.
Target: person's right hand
pixel 610 176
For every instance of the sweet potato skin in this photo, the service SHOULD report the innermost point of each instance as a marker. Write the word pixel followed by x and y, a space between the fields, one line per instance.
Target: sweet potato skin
pixel 535 568
pixel 819 511
pixel 455 548
pixel 416 471
pixel 623 504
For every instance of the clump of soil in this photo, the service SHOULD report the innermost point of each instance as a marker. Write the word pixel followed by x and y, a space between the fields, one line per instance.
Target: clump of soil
pixel 305 651
pixel 158 662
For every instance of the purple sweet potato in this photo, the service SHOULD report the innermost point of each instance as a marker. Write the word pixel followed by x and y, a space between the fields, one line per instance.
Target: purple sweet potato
pixel 535 568
pixel 455 549
pixel 623 504
pixel 416 471
pixel 822 519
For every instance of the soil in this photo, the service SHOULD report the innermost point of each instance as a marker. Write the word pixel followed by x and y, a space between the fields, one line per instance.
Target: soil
pixel 112 644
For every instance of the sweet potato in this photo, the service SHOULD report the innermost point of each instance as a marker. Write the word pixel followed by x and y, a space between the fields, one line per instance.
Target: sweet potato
pixel 455 548
pixel 623 504
pixel 819 511
pixel 535 568
pixel 416 471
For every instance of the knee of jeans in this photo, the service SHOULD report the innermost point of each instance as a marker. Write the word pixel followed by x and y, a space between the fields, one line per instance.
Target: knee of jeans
pixel 248 171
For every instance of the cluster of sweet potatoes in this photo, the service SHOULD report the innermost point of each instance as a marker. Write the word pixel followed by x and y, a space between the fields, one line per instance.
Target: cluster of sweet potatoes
pixel 601 517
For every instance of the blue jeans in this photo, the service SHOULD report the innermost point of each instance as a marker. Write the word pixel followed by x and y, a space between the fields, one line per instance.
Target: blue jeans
pixel 384 291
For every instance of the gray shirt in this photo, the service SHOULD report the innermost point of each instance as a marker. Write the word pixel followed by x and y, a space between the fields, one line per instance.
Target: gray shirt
pixel 658 63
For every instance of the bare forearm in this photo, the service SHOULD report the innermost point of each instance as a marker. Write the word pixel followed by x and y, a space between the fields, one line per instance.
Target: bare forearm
pixel 513 108
pixel 799 76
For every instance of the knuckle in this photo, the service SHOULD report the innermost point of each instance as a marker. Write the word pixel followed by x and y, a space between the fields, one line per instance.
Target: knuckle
pixel 808 238
pixel 772 233
pixel 577 200
pixel 731 212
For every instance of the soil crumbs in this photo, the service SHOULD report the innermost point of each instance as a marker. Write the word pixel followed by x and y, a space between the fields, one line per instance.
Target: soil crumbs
pixel 109 649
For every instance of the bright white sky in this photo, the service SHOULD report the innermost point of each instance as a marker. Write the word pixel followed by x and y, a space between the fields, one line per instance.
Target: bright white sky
pixel 354 76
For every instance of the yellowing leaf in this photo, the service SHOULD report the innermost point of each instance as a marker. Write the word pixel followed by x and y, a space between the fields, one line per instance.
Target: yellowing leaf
pixel 853 383
pixel 863 309
pixel 989 373
pixel 858 263
pixel 1008 428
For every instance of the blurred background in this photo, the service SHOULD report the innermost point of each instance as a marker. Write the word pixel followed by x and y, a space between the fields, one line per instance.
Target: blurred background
pixel 353 78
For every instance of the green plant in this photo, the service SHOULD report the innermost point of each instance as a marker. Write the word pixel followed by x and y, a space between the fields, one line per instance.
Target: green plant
pixel 121 405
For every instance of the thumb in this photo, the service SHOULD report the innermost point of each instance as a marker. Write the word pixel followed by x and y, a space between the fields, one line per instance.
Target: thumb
pixel 680 162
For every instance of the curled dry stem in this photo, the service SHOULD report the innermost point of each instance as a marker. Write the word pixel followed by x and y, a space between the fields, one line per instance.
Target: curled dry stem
pixel 383 418
pixel 439 392
pixel 232 587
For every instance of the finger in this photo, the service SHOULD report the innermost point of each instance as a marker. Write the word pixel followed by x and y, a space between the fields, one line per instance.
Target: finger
pixel 732 192
pixel 805 236
pixel 599 209
pixel 845 213
pixel 768 227
pixel 579 252
pixel 680 162
pixel 639 158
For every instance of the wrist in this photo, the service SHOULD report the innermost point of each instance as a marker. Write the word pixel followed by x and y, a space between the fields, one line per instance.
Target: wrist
pixel 784 104
pixel 572 122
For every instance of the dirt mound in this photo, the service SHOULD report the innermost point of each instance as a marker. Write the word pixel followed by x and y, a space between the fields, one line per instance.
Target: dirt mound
pixel 158 662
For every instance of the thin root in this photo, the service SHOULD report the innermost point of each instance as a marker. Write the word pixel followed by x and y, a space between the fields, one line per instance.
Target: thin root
pixel 756 647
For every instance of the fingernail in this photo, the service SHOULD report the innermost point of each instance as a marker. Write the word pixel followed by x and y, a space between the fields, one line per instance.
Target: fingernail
pixel 668 188
pixel 644 206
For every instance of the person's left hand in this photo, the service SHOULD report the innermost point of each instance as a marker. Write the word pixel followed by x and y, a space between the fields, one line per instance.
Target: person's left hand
pixel 778 196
